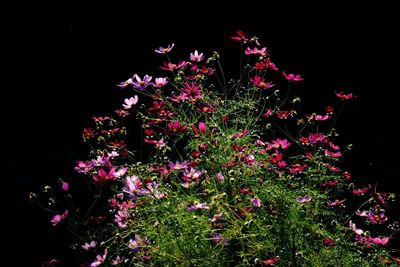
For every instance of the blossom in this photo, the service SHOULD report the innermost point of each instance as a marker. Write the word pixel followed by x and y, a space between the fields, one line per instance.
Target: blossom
pixel 256 202
pixel 141 84
pixel 199 130
pixel 220 177
pixel 175 127
pixel 164 50
pixel 217 217
pixel 87 246
pixel 344 96
pixel 337 202
pixel 303 199
pixel 261 83
pixel 65 186
pixel 270 261
pixel 126 83
pixel 177 165
pixel 103 176
pixel 99 259
pixel 354 228
pixel 129 102
pixel 292 77
pixel 317 117
pixel 171 66
pixel 196 57
pixel 255 51
pixel 202 206
pixel 380 240
pixel 59 217
pixel 219 239
pixel 160 82
pixel 240 37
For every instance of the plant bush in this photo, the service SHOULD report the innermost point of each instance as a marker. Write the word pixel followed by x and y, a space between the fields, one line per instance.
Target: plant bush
pixel 230 172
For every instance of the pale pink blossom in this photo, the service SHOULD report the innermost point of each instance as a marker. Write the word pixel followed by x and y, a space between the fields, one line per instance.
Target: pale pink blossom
pixel 164 50
pixel 99 259
pixel 129 102
pixel 196 57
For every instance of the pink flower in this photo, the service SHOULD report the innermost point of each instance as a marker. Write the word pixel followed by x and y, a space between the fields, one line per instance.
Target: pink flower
pixel 337 202
pixel 220 177
pixel 270 261
pixel 344 96
pixel 380 241
pixel 59 217
pixel 255 51
pixel 261 83
pixel 360 191
pixel 354 228
pixel 256 202
pixel 141 84
pixel 99 259
pixel 103 176
pixel 176 127
pixel 129 102
pixel 203 206
pixel 163 50
pixel 292 77
pixel 303 199
pixel 201 129
pixel 317 117
pixel 278 143
pixel 196 57
pixel 87 246
pixel 126 83
pixel 65 186
pixel 297 168
pixel 171 66
pixel 160 82
pixel 240 37
pixel 216 217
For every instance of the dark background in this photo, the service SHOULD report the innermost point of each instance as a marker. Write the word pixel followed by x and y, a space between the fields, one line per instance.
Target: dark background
pixel 62 64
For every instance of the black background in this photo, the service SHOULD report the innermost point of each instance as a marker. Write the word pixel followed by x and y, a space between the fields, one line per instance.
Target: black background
pixel 61 65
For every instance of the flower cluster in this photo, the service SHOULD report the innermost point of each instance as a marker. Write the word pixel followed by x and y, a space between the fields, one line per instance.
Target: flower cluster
pixel 230 173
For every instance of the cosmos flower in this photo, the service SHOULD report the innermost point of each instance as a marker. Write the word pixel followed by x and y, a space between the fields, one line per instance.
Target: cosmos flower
pixel 164 50
pixel 303 199
pixel 196 57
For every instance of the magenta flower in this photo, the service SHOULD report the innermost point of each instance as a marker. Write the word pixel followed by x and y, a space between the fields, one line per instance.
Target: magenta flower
pixel 360 191
pixel 337 202
pixel 303 199
pixel 255 51
pixel 196 57
pixel 103 176
pixel 256 202
pixel 141 84
pixel 164 50
pixel 374 218
pixel 65 186
pixel 292 77
pixel 129 102
pixel 59 217
pixel 99 259
pixel 297 168
pixel 158 143
pixel 240 37
pixel 278 143
pixel 175 127
pixel 344 96
pixel 380 241
pixel 171 66
pixel 261 83
pixel 317 117
pixel 201 129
